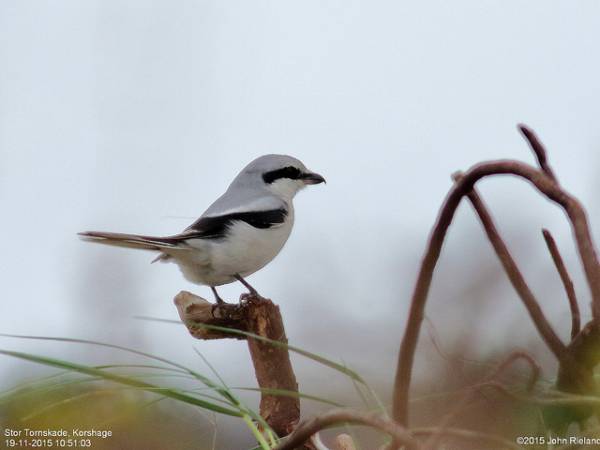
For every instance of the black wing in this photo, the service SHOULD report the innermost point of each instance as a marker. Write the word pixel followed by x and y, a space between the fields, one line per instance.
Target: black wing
pixel 215 227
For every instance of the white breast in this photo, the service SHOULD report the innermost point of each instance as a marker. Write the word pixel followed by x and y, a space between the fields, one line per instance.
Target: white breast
pixel 244 251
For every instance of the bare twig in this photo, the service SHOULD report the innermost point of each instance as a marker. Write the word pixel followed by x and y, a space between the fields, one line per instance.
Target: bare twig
pixel 272 364
pixel 538 149
pixel 514 274
pixel 566 280
pixel 338 416
pixel 547 186
pixel 514 356
pixel 194 310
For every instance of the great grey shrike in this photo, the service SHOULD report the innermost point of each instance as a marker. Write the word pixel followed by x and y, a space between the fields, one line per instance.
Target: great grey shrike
pixel 241 232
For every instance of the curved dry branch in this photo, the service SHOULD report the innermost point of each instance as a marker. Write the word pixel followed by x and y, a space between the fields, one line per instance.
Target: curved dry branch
pixel 514 356
pixel 338 416
pixel 515 276
pixel 547 186
pixel 567 282
pixel 538 149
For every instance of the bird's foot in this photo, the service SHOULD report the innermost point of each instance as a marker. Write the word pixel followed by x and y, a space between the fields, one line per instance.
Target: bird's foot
pixel 248 298
pixel 216 310
pixel 252 293
pixel 217 296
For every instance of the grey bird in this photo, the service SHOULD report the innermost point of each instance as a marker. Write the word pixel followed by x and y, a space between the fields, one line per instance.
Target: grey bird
pixel 240 233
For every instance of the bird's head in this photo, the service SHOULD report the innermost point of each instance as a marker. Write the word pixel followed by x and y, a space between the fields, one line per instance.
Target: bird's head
pixel 281 174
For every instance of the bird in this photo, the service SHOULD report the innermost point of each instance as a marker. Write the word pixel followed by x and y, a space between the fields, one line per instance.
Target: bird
pixel 240 232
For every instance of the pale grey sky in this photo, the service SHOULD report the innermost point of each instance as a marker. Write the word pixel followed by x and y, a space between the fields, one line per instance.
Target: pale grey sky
pixel 134 115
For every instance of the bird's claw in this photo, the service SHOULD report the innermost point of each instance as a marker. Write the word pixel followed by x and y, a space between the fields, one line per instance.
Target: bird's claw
pixel 249 297
pixel 215 310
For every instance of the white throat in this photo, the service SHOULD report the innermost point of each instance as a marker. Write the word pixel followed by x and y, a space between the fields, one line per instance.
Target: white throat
pixel 286 189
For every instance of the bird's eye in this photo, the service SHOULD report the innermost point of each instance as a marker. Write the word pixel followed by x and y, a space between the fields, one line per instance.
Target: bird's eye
pixel 293 173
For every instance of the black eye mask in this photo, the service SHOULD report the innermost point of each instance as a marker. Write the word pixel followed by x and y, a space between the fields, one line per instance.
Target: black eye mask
pixel 290 172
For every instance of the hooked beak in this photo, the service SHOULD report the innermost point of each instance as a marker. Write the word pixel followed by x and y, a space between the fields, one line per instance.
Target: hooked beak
pixel 312 178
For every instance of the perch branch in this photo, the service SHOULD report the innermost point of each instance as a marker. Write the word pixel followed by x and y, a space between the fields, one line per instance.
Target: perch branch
pixel 194 310
pixel 567 283
pixel 546 186
pixel 272 364
pixel 337 416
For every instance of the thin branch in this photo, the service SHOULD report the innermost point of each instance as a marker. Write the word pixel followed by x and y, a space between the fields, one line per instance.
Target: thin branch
pixel 583 237
pixel 545 185
pixel 538 149
pixel 516 278
pixel 566 280
pixel 338 416
pixel 535 367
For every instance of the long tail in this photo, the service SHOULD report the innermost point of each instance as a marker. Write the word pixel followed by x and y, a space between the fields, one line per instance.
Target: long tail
pixel 131 240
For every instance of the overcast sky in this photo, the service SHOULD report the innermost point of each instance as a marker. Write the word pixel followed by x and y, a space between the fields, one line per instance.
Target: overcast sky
pixel 134 116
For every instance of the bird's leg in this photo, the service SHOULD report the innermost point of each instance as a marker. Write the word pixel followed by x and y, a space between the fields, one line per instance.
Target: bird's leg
pixel 215 309
pixel 253 291
pixel 218 298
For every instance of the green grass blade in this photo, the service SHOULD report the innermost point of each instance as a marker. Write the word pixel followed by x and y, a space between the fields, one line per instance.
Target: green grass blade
pixel 195 374
pixel 43 380
pixel 223 386
pixel 87 370
pixel 256 432
pixel 116 347
pixel 234 399
pixel 313 356
pixel 140 366
pixel 378 403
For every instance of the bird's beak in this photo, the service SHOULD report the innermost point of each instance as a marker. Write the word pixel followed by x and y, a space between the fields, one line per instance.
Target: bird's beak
pixel 312 178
